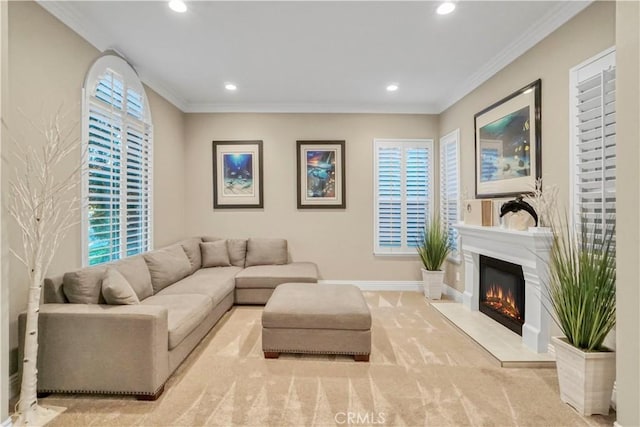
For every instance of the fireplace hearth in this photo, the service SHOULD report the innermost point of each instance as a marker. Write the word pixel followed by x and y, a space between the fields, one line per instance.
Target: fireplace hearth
pixel 502 292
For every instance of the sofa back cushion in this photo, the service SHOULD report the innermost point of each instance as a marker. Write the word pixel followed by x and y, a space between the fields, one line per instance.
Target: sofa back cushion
pixel 135 270
pixel 266 252
pixel 116 289
pixel 215 254
pixel 84 286
pixel 192 249
pixel 167 266
pixel 237 249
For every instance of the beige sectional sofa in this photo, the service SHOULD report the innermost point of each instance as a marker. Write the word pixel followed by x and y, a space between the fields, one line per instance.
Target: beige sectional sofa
pixel 124 327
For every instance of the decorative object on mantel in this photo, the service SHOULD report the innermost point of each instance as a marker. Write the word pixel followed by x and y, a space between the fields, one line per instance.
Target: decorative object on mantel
pixel 508 144
pixel 544 202
pixel 478 212
pixel 44 202
pixel 518 215
pixel 582 292
pixel 433 249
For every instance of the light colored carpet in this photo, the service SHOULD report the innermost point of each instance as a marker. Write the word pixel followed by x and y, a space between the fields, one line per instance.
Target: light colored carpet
pixel 423 372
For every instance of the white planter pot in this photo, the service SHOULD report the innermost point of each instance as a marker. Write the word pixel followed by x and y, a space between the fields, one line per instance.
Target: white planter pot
pixel 432 283
pixel 586 378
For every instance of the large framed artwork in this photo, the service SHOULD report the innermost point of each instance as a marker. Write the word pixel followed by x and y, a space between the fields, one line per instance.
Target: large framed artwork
pixel 237 174
pixel 508 144
pixel 321 174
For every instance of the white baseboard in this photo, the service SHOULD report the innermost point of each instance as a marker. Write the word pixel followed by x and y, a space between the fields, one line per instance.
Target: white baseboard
pixel 6 423
pixel 14 386
pixel 452 292
pixel 378 285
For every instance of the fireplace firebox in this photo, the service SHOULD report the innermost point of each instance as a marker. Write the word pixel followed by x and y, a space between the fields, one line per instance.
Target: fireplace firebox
pixel 502 292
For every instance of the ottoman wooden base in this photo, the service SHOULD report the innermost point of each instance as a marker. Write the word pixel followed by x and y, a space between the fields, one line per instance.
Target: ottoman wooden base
pixel 316 319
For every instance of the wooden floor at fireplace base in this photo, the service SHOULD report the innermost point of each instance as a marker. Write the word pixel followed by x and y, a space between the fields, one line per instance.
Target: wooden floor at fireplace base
pixel 504 345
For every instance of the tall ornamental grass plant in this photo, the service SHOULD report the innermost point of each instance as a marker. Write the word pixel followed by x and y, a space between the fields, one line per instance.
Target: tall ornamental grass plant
pixel 582 283
pixel 434 246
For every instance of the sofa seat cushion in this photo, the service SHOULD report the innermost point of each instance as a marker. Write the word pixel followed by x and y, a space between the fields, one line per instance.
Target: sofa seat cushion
pixel 270 276
pixel 185 313
pixel 216 283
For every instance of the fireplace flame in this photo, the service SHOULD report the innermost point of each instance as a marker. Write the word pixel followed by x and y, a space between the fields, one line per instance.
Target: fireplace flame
pixel 502 302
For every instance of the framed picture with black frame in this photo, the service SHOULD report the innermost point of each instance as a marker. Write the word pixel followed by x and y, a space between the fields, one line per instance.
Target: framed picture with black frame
pixel 508 144
pixel 321 175
pixel 237 174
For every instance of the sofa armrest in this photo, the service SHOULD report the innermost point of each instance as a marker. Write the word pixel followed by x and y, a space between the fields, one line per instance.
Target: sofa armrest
pixel 101 348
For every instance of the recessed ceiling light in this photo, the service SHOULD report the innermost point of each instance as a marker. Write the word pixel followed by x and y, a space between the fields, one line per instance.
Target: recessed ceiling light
pixel 392 87
pixel 446 8
pixel 178 6
pixel 230 86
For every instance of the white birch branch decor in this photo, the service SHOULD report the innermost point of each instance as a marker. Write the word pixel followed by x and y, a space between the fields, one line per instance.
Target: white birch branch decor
pixel 44 201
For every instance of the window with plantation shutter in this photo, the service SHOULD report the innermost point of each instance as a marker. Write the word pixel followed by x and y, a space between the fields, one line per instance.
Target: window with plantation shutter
pixel 117 179
pixel 450 186
pixel 593 94
pixel 403 187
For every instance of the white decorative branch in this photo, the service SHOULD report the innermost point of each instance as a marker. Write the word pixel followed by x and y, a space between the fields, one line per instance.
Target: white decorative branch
pixel 544 202
pixel 44 202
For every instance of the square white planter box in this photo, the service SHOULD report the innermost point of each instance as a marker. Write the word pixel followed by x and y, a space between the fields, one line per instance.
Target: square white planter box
pixel 586 378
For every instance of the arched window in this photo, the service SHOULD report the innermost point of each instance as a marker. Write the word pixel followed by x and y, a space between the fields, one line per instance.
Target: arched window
pixel 117 154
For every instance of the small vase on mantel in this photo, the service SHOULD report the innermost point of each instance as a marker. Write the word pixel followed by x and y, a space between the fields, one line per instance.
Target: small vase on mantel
pixel 432 282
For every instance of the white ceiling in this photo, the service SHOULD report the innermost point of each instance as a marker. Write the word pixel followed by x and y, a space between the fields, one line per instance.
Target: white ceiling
pixel 315 56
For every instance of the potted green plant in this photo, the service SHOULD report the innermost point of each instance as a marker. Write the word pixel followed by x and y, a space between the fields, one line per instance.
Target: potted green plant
pixel 433 248
pixel 582 292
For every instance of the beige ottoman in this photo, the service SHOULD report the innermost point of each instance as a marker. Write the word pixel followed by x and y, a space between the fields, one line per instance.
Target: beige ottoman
pixel 327 319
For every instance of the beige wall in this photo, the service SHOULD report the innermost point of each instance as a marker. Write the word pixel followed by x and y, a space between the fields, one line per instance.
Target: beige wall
pixel 47 67
pixel 628 208
pixel 585 35
pixel 340 241
pixel 4 280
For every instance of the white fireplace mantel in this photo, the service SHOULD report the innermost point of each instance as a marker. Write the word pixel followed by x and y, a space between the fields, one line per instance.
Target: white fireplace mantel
pixel 530 249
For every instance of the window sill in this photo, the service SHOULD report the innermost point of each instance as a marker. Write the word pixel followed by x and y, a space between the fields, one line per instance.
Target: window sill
pixel 395 254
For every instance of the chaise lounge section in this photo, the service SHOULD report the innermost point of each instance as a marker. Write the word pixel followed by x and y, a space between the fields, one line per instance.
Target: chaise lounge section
pixel 124 327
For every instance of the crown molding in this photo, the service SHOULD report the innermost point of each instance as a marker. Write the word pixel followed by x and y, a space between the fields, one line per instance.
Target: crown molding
pixel 551 21
pixel 69 15
pixel 309 108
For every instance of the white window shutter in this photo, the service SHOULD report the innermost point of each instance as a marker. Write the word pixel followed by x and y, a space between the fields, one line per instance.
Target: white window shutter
pixel 450 186
pixel 594 143
pixel 117 219
pixel 403 183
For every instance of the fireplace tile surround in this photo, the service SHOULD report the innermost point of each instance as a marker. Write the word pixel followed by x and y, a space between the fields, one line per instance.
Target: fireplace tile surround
pixel 529 249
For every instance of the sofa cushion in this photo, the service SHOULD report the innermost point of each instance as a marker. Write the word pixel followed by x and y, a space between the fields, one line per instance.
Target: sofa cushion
pixel 216 283
pixel 167 266
pixel 270 276
pixel 135 270
pixel 116 290
pixel 266 252
pixel 185 313
pixel 192 249
pixel 237 249
pixel 215 254
pixel 84 286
